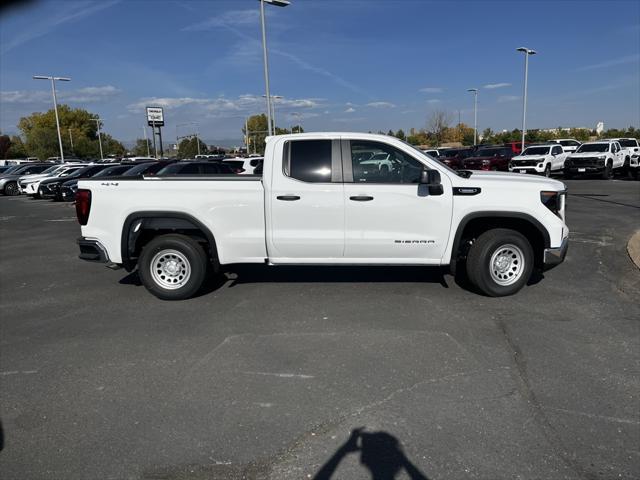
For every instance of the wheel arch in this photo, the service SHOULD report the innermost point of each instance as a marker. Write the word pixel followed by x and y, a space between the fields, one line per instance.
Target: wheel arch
pixel 141 227
pixel 476 223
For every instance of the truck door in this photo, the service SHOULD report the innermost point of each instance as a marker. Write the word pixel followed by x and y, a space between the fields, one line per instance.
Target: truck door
pixel 389 216
pixel 306 203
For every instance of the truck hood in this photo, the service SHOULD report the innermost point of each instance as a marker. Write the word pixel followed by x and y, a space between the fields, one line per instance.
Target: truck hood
pixel 588 154
pixel 490 179
pixel 35 176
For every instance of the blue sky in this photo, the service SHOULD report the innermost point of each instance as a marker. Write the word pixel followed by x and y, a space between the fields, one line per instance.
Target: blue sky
pixel 339 64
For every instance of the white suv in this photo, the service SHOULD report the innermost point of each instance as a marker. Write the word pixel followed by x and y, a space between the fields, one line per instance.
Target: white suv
pixel 539 159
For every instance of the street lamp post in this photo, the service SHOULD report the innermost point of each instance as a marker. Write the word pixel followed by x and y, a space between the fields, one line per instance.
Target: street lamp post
pixel 277 3
pixel 527 52
pixel 146 139
pixel 55 104
pixel 273 110
pixel 475 114
pixel 97 120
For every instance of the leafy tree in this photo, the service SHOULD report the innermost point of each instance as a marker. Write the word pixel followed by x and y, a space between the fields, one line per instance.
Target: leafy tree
pixel 390 133
pixel 5 145
pixel 400 134
pixel 257 126
pixel 16 149
pixel 188 148
pixel 41 137
pixel 140 148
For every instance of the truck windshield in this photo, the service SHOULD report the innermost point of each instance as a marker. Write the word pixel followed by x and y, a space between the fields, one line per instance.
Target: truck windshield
pixel 536 151
pixel 628 142
pixel 593 147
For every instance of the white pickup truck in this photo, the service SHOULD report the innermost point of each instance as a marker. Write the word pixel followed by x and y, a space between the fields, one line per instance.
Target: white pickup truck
pixel 320 202
pixel 539 159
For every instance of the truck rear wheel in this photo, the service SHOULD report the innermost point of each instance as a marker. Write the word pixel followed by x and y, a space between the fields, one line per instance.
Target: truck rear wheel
pixel 172 267
pixel 500 262
pixel 607 173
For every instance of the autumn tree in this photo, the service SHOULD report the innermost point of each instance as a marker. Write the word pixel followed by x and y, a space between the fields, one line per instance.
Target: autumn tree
pixel 257 132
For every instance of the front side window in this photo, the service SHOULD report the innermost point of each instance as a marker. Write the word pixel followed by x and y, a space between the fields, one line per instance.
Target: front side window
pixel 386 165
pixel 557 150
pixel 309 160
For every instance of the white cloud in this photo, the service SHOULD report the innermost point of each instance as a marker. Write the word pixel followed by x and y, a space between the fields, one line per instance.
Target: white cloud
pixel 431 90
pixel 381 105
pixel 433 101
pixel 611 63
pixel 508 98
pixel 228 19
pixel 350 110
pixel 223 106
pixel 82 95
pixel 492 86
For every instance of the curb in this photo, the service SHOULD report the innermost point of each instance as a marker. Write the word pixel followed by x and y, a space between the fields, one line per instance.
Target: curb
pixel 633 248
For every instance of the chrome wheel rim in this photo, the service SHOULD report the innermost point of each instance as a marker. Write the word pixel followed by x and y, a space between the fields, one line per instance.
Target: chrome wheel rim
pixel 170 269
pixel 506 264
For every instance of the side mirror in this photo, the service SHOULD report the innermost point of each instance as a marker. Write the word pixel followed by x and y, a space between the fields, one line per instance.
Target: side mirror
pixel 431 179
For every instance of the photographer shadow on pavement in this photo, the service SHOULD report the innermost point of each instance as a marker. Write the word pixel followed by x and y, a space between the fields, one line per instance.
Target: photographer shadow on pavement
pixel 380 452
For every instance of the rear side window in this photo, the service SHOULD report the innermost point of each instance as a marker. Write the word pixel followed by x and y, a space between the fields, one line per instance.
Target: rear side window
pixel 308 160
pixel 557 150
pixel 191 169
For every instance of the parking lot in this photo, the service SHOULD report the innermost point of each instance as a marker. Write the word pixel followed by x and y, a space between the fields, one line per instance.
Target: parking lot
pixel 264 376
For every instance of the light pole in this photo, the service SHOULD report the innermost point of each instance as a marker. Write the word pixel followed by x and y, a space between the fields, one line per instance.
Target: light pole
pixel 146 139
pixel 55 104
pixel 296 115
pixel 97 120
pixel 475 114
pixel 527 52
pixel 273 109
pixel 277 3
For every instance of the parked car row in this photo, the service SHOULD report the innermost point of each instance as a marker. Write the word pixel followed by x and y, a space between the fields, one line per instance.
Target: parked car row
pixel 567 157
pixel 60 181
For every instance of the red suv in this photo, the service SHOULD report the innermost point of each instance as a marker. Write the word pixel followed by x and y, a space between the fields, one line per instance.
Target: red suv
pixel 490 158
pixel 453 157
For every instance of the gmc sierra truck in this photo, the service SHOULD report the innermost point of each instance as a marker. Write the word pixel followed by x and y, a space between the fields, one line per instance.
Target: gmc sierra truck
pixel 321 200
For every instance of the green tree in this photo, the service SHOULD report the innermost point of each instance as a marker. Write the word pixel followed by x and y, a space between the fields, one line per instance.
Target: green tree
pixel 5 145
pixel 257 132
pixel 17 149
pixel 188 148
pixel 400 134
pixel 140 148
pixel 41 137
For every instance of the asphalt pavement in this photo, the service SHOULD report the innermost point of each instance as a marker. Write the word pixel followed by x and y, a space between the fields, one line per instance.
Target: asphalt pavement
pixel 267 374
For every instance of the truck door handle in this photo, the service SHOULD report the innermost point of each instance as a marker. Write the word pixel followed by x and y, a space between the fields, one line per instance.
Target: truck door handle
pixel 288 198
pixel 361 198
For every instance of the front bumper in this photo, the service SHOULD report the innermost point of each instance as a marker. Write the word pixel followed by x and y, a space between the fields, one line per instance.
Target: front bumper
pixel 555 256
pixel 92 251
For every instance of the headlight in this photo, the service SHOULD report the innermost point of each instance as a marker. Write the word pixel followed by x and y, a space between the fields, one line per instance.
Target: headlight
pixel 601 157
pixel 486 162
pixel 552 201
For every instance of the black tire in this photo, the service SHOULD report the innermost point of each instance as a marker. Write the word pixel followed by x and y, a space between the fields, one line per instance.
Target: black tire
pixel 547 170
pixel 607 173
pixel 188 254
pixel 500 242
pixel 11 189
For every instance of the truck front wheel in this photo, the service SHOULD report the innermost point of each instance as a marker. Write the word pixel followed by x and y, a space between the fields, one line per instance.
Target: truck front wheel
pixel 172 267
pixel 500 262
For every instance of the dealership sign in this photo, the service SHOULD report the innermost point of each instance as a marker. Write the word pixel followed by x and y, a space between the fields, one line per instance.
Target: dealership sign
pixel 155 117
